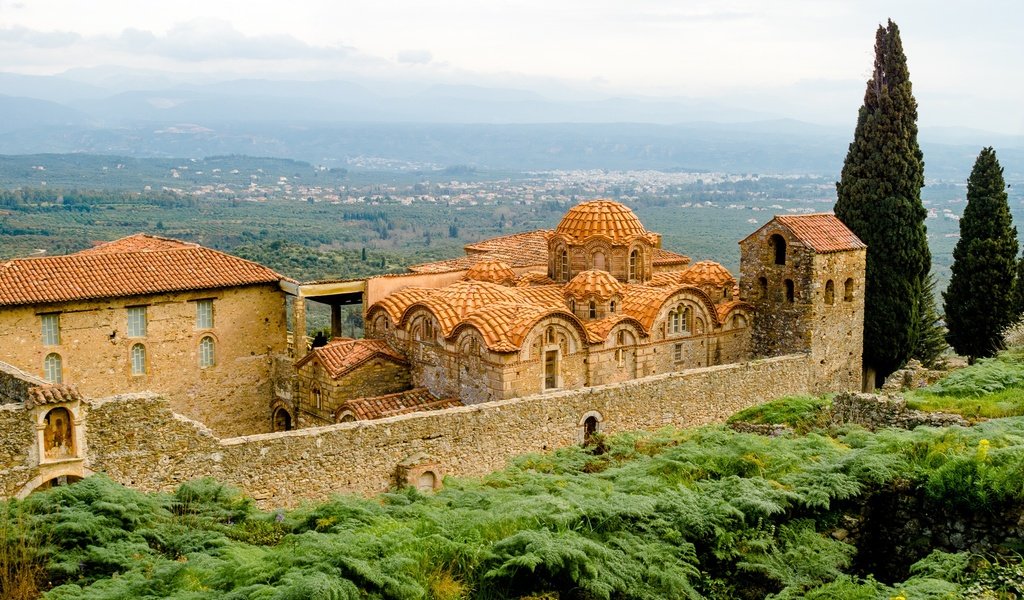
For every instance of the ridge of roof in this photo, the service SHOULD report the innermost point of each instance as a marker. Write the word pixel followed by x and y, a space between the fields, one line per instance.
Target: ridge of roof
pixel 341 355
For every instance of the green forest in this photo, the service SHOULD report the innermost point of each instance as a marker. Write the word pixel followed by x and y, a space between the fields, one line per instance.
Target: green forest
pixel 821 512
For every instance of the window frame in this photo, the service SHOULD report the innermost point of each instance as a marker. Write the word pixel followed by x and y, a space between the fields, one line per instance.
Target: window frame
pixel 50 333
pixel 138 362
pixel 207 358
pixel 53 360
pixel 138 321
pixel 204 313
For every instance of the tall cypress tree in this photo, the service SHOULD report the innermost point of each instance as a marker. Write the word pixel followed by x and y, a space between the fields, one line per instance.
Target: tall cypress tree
pixel 879 199
pixel 978 301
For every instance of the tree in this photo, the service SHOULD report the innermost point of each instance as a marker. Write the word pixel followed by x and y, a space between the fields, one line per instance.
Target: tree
pixel 978 302
pixel 879 199
pixel 931 336
pixel 1018 290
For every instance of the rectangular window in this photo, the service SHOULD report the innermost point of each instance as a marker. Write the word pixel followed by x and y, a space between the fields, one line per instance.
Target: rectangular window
pixel 204 314
pixel 136 321
pixel 51 329
pixel 678 352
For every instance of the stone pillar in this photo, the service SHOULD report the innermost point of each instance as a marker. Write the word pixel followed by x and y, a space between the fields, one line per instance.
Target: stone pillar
pixel 298 327
pixel 335 321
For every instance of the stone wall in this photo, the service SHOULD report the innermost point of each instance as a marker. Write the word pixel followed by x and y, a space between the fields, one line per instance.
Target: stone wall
pixel 375 377
pixel 232 396
pixel 874 411
pixel 137 440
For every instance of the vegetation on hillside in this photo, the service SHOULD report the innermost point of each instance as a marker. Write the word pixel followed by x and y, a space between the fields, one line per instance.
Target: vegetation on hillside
pixel 707 512
pixel 879 199
pixel 978 301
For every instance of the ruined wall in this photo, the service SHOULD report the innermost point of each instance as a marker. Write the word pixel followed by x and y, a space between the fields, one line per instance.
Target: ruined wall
pixel 232 396
pixel 138 441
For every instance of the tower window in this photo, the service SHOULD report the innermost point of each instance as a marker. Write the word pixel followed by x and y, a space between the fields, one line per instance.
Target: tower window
pixel 848 292
pixel 611 307
pixel 632 265
pixel 599 261
pixel 563 264
pixel 830 292
pixel 778 244
pixel 593 309
pixel 762 288
pixel 790 291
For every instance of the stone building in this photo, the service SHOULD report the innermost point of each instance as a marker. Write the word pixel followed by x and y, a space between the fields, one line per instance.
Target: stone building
pixel 804 276
pixel 141 313
pixel 609 306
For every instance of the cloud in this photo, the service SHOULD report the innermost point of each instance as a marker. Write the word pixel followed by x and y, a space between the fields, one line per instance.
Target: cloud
pixel 214 39
pixel 415 57
pixel 38 39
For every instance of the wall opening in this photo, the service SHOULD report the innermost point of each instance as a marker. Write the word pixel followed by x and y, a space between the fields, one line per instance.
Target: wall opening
pixel 848 291
pixel 551 369
pixel 762 288
pixel 426 482
pixel 830 292
pixel 58 481
pixel 790 291
pixel 58 435
pixel 282 420
pixel 778 244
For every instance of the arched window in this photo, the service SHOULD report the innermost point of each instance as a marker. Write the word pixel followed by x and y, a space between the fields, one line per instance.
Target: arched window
pixel 687 319
pixel 673 322
pixel 632 265
pixel 318 398
pixel 762 288
pixel 282 420
pixel 848 292
pixel 727 292
pixel 778 244
pixel 572 304
pixel 138 358
pixel 550 335
pixel 53 370
pixel 611 307
pixel 830 292
pixel 563 263
pixel 599 261
pixel 206 352
pixel 790 291
pixel 428 330
pixel 621 338
pixel 593 310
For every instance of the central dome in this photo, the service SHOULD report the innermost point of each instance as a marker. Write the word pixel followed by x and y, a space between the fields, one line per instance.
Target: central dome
pixel 601 217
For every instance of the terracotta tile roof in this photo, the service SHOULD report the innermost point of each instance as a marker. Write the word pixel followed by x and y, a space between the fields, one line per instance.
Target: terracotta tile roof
pixel 396 303
pixel 724 308
pixel 340 356
pixel 664 258
pixel 644 302
pixel 666 279
pixel 598 330
pixel 134 266
pixel 379 407
pixel 821 232
pixel 543 295
pixel 140 242
pixel 493 271
pixel 528 249
pixel 53 393
pixel 707 272
pixel 605 218
pixel 534 278
pixel 593 283
pixel 505 326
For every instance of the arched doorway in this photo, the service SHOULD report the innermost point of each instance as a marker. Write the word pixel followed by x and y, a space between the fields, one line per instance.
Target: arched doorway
pixel 60 480
pixel 426 482
pixel 282 420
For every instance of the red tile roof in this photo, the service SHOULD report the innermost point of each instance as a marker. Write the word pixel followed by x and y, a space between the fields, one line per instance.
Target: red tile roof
pixel 821 232
pixel 606 218
pixel 51 393
pixel 133 266
pixel 379 407
pixel 340 356
pixel 663 258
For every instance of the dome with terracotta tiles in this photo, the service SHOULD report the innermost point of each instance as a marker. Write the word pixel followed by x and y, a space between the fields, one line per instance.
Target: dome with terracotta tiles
pixel 492 271
pixel 707 272
pixel 593 283
pixel 601 217
pixel 468 295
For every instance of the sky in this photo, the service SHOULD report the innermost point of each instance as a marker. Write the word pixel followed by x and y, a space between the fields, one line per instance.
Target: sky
pixel 804 59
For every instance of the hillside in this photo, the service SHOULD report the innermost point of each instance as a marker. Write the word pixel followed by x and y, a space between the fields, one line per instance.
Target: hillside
pixel 837 513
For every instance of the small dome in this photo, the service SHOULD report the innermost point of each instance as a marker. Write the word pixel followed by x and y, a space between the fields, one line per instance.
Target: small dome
pixel 492 271
pixel 601 217
pixel 468 295
pixel 593 283
pixel 707 272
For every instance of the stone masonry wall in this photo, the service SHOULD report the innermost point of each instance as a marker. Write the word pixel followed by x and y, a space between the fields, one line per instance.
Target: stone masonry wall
pixel 137 440
pixel 376 377
pixel 232 396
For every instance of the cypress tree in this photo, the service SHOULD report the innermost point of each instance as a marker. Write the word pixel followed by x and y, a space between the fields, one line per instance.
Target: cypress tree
pixel 931 336
pixel 879 199
pixel 978 301
pixel 1017 302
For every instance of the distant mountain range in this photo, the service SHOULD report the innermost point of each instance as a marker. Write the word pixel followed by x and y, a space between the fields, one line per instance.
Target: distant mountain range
pixel 348 123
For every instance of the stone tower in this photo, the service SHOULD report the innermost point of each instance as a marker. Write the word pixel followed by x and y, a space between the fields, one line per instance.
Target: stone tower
pixel 804 275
